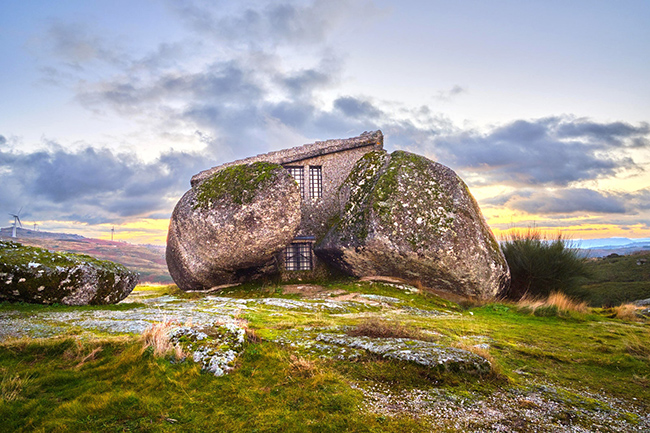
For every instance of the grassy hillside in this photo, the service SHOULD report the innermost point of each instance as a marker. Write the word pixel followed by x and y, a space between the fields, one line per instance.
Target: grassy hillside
pixel 616 279
pixel 551 370
pixel 149 260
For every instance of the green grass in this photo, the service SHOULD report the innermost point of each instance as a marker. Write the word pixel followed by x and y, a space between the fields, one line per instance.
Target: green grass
pixel 111 384
pixel 125 389
pixel 615 281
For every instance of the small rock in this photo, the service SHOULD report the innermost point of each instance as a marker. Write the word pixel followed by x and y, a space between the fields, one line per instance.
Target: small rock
pixel 70 279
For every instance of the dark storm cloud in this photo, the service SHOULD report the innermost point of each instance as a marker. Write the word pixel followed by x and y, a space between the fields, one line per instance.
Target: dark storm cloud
pixel 357 108
pixel 94 185
pixel 607 134
pixel 568 201
pixel 303 83
pixel 551 151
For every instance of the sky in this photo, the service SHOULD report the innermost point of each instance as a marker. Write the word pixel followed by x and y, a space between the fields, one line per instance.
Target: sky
pixel 108 107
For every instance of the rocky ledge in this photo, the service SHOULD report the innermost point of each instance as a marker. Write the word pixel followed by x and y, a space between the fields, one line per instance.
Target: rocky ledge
pixel 35 275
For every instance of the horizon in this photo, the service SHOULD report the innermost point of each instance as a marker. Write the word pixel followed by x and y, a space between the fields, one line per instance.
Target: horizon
pixel 593 243
pixel 110 107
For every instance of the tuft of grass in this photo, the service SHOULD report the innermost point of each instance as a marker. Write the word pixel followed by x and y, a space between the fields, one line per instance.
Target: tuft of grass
pixel 555 304
pixel 636 347
pixel 540 266
pixel 302 367
pixel 156 337
pixel 626 312
pixel 12 385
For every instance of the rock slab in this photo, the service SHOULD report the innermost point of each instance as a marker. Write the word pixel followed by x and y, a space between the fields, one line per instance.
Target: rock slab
pixel 230 227
pixel 35 275
pixel 405 216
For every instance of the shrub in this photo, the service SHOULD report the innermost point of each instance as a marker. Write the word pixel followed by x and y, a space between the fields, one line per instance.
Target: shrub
pixel 539 266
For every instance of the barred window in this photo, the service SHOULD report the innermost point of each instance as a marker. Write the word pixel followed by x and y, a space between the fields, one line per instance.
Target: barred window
pixel 315 182
pixel 298 257
pixel 298 175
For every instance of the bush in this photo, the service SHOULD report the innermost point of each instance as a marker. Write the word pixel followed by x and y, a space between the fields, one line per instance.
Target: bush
pixel 539 266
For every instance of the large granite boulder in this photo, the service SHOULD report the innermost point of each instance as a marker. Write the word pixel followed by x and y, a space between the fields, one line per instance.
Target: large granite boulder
pixel 35 275
pixel 405 216
pixel 230 227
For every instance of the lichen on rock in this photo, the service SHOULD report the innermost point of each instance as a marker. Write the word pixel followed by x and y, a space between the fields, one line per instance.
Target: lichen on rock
pixel 405 216
pixel 230 227
pixel 34 275
pixel 424 353
pixel 215 346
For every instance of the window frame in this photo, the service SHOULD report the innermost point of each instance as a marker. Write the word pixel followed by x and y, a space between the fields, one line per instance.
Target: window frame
pixel 315 182
pixel 298 257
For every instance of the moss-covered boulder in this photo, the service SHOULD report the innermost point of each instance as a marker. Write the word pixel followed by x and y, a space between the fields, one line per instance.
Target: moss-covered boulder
pixel 230 227
pixel 405 216
pixel 35 275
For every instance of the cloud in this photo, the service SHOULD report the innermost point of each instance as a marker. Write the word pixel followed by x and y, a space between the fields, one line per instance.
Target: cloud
pixel 447 95
pixel 572 200
pixel 75 45
pixel 252 76
pixel 258 26
pixel 93 185
pixel 555 151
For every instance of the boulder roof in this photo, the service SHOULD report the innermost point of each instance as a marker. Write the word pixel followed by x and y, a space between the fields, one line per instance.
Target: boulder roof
pixel 299 153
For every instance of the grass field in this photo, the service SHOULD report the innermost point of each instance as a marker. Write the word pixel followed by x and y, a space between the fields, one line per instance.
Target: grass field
pixel 551 369
pixel 616 280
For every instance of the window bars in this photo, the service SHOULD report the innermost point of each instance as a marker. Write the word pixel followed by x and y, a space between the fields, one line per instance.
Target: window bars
pixel 298 257
pixel 315 182
pixel 298 175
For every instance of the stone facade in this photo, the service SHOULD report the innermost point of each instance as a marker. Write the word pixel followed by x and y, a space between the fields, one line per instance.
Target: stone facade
pixel 334 206
pixel 323 167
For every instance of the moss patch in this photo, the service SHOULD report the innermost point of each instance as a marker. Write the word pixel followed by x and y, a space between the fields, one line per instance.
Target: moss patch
pixel 37 275
pixel 239 183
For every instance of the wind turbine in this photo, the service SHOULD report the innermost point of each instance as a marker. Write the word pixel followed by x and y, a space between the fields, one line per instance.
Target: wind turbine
pixel 16 222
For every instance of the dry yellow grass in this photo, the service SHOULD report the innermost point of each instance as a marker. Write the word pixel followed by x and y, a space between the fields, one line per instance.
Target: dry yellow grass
pixel 157 337
pixel 302 367
pixel 556 299
pixel 626 312
pixel 565 303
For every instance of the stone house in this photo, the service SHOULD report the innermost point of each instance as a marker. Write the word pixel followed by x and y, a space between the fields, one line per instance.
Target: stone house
pixel 319 169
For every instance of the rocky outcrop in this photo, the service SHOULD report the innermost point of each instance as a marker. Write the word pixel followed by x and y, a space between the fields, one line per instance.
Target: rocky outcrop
pixel 35 275
pixel 425 353
pixel 230 227
pixel 405 216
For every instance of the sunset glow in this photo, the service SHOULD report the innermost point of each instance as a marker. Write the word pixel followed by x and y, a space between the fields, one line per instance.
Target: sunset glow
pixel 110 107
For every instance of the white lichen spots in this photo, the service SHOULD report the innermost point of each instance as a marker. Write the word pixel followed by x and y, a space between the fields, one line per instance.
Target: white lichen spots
pixel 22 280
pixel 33 265
pixel 16 293
pixel 41 288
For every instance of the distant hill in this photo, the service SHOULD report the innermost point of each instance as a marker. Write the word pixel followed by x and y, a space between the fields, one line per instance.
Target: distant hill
pixel 148 260
pixel 607 246
pixel 616 279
